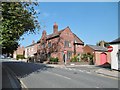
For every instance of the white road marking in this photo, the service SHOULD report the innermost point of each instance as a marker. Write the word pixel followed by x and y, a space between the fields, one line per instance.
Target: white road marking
pixel 97 87
pixel 74 69
pixel 69 68
pixel 80 70
pixel 88 72
pixel 59 75
pixel 23 85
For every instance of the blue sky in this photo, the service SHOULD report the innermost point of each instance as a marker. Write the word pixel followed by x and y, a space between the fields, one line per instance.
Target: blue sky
pixel 90 21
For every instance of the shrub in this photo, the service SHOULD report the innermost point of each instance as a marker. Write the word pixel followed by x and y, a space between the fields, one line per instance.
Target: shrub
pixel 88 57
pixel 84 57
pixel 54 60
pixel 20 57
pixel 74 59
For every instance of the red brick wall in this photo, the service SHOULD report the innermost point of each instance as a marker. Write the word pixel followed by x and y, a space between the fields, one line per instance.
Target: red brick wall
pixel 96 54
pixel 19 51
pixel 65 35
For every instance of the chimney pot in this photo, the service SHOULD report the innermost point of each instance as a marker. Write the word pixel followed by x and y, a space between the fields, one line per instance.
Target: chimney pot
pixel 55 28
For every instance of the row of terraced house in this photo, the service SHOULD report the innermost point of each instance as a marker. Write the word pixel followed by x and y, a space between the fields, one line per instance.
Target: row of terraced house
pixel 55 45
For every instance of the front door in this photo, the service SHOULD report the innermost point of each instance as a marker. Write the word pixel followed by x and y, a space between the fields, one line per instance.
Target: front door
pixel 103 58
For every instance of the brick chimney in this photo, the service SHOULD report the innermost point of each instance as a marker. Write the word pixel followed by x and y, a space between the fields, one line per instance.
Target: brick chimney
pixel 33 42
pixel 55 28
pixel 102 43
pixel 44 33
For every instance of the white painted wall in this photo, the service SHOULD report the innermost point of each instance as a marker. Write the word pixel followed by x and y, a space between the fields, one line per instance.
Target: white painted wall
pixel 114 56
pixel 14 54
pixel 26 56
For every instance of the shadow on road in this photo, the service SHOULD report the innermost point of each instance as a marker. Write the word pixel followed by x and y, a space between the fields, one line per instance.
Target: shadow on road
pixel 105 66
pixel 23 69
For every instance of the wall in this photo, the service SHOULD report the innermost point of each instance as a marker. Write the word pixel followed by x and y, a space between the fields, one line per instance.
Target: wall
pixel 96 54
pixel 31 50
pixel 114 56
pixel 97 57
pixel 19 51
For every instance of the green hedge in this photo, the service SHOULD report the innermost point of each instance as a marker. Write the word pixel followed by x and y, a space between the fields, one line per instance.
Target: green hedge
pixel 20 57
pixel 52 59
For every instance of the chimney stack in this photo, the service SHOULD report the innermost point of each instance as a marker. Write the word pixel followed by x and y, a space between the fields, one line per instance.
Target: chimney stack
pixel 44 33
pixel 102 43
pixel 55 28
pixel 33 42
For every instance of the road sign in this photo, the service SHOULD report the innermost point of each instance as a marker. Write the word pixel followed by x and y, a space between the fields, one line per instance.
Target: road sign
pixel 65 52
pixel 110 48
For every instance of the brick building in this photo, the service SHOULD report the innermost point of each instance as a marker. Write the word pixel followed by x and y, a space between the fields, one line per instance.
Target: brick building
pixel 19 51
pixel 53 45
pixel 100 53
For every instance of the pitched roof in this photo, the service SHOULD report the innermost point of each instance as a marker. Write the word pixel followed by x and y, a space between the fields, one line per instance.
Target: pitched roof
pixel 98 48
pixel 55 34
pixel 78 38
pixel 115 41
pixel 30 45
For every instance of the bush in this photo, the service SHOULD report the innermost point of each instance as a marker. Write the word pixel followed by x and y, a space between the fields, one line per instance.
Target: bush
pixel 74 59
pixel 20 57
pixel 54 60
pixel 88 57
pixel 84 57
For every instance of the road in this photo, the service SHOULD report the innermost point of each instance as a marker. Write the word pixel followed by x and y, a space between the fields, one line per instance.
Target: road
pixel 34 75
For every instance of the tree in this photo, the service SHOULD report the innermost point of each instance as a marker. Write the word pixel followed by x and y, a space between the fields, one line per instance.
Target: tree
pixel 17 19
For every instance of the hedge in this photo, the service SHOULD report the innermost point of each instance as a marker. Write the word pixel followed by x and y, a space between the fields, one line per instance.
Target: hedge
pixel 20 57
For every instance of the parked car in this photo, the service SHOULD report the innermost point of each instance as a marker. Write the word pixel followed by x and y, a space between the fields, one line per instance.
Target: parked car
pixel 2 56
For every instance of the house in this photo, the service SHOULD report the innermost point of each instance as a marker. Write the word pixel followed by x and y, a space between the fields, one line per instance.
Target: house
pixel 115 54
pixel 100 54
pixel 19 51
pixel 31 50
pixel 54 45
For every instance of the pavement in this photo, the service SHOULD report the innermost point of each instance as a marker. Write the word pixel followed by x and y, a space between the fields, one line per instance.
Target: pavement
pixel 91 68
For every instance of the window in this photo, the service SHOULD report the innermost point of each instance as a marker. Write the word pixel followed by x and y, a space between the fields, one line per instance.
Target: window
pixel 43 45
pixel 118 55
pixel 32 48
pixel 75 41
pixel 49 44
pixel 67 44
pixel 38 46
pixel 69 54
pixel 49 55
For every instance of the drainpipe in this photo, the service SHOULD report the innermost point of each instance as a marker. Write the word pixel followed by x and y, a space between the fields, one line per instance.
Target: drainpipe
pixel 74 48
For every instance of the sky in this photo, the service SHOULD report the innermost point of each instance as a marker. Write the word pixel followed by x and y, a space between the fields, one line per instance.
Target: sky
pixel 90 21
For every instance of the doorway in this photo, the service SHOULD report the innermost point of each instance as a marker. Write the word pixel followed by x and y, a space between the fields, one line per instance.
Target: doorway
pixel 103 58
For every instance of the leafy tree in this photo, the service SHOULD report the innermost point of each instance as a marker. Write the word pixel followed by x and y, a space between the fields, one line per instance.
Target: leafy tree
pixel 17 19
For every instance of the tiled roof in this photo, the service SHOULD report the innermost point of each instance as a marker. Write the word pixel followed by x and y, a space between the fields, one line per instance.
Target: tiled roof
pixel 97 48
pixel 55 34
pixel 78 38
pixel 115 41
pixel 30 45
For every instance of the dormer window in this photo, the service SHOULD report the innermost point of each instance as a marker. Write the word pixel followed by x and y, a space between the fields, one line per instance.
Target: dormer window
pixel 43 45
